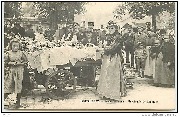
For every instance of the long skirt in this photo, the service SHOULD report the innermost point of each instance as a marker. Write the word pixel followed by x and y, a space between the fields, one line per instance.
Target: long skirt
pixel 13 80
pixel 153 67
pixel 111 81
pixel 168 75
pixel 158 69
pixel 163 75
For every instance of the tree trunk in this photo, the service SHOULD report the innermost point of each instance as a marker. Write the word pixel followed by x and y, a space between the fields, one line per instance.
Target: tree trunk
pixel 54 20
pixel 154 22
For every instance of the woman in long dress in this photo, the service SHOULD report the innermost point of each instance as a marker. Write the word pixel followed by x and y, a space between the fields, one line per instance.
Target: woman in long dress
pixel 164 64
pixel 168 66
pixel 111 82
pixel 156 58
pixel 148 65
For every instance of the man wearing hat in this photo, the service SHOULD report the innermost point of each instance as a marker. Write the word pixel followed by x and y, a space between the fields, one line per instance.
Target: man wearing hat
pixel 129 44
pixel 89 37
pixel 60 31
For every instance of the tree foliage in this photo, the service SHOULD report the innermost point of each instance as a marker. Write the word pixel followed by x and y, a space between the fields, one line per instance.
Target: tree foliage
pixel 139 10
pixel 12 9
pixel 56 12
pixel 120 11
pixel 29 10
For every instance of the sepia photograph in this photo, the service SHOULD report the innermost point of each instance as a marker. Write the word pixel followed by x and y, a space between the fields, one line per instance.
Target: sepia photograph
pixel 89 56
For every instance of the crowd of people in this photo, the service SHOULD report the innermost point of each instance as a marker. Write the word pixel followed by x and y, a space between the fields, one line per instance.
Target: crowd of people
pixel 150 54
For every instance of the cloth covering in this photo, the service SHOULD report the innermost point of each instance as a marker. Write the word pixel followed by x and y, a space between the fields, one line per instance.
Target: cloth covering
pixel 64 55
pixel 39 60
pixel 44 59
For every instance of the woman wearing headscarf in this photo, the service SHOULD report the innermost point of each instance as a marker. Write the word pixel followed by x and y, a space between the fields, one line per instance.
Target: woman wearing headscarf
pixel 111 82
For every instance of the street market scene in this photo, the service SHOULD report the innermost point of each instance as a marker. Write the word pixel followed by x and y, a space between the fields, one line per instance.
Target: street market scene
pixel 89 55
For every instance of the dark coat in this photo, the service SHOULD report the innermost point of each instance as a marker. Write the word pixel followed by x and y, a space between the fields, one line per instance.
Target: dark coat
pixel 30 33
pixel 168 51
pixel 128 41
pixel 19 30
pixel 111 37
pixel 115 48
pixel 80 36
pixel 7 30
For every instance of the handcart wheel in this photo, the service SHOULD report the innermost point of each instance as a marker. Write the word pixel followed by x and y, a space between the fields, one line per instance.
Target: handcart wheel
pixel 60 83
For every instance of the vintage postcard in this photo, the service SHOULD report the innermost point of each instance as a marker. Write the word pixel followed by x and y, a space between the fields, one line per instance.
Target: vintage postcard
pixel 96 56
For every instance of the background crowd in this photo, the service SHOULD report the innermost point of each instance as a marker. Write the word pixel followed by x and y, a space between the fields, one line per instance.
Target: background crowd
pixel 132 37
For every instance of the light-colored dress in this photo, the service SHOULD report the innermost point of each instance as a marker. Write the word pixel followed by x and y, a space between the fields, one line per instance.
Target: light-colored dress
pixel 148 63
pixel 14 77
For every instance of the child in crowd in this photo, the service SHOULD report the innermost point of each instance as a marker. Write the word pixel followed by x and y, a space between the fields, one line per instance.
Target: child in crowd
pixel 15 60
pixel 140 55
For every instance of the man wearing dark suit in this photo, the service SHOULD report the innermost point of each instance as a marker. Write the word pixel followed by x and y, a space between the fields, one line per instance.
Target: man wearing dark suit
pixel 29 32
pixel 18 30
pixel 129 45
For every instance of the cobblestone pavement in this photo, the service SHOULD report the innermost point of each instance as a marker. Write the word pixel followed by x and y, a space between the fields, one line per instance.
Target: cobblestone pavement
pixel 142 96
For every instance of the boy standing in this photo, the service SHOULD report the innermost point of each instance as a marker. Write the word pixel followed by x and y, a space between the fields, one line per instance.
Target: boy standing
pixel 140 55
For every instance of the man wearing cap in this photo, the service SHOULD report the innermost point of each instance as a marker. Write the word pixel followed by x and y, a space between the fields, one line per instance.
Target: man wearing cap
pixel 140 37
